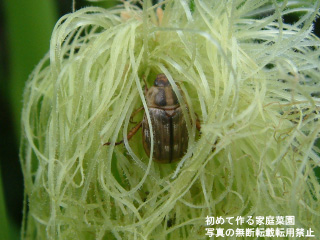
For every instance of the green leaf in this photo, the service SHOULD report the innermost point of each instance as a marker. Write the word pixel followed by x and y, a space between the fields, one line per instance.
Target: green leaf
pixel 29 27
pixel 4 226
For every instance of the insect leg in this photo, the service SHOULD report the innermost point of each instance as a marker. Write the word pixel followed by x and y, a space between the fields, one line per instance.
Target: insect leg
pixel 131 133
pixel 145 85
pixel 135 113
pixel 198 124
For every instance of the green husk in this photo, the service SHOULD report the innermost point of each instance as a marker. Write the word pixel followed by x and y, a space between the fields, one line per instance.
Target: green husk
pixel 253 82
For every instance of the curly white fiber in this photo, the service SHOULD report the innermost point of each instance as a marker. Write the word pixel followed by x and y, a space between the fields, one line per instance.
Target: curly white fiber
pixel 253 81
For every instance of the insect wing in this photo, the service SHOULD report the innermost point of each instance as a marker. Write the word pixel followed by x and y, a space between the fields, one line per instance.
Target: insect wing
pixel 180 135
pixel 169 133
pixel 161 135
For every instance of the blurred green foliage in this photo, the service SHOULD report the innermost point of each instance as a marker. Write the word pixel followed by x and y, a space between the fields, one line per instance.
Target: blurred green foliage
pixel 28 26
pixel 4 228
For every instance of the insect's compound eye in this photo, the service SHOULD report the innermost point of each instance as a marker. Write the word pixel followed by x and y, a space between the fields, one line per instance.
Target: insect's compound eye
pixel 161 81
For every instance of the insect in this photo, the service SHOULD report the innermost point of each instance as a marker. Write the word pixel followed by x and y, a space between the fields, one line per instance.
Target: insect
pixel 170 135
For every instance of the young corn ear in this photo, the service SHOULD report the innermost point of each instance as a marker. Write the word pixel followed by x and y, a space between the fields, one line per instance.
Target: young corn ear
pixel 252 79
